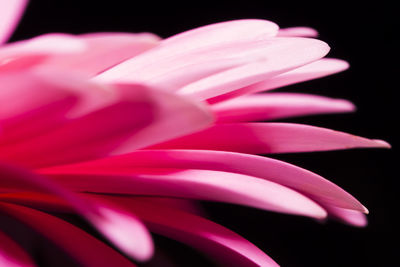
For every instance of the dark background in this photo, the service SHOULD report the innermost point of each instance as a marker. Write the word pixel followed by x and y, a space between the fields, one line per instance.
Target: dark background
pixel 366 36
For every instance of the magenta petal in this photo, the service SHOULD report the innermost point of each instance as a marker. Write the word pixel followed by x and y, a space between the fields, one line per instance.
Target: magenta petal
pixel 10 14
pixel 86 249
pixel 193 184
pixel 261 138
pixel 200 39
pixel 298 32
pixel 259 107
pixel 121 228
pixel 301 180
pixel 204 235
pixel 12 255
pixel 351 217
pixel 281 55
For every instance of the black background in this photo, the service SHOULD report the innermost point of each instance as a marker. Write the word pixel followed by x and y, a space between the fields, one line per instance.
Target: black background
pixel 364 35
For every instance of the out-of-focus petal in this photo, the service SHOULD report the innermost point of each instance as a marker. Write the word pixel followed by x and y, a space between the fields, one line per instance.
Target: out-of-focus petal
pixel 80 245
pixel 204 38
pixel 313 70
pixel 262 138
pixel 10 14
pixel 220 243
pixel 351 217
pixel 284 54
pixel 304 181
pixel 122 229
pixel 103 50
pixel 259 107
pixel 298 32
pixel 12 255
pixel 194 184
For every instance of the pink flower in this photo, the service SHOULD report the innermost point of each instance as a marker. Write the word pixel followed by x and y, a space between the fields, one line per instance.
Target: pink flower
pixel 128 130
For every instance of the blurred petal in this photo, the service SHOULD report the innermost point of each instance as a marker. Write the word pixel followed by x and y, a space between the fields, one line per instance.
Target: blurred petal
pixel 262 138
pixel 88 250
pixel 259 107
pixel 298 32
pixel 351 217
pixel 301 180
pixel 206 236
pixel 201 39
pixel 10 14
pixel 313 70
pixel 193 184
pixel 122 229
pixel 12 255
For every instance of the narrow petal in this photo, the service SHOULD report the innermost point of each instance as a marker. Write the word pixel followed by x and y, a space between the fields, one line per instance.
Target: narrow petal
pixel 196 184
pixel 186 43
pixel 350 217
pixel 284 54
pixel 12 255
pixel 311 71
pixel 10 14
pixel 298 32
pixel 121 228
pixel 86 249
pixel 260 107
pixel 262 138
pixel 103 50
pixel 220 243
pixel 299 179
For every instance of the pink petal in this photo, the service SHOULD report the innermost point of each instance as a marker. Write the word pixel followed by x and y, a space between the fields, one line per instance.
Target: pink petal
pixel 298 32
pixel 88 250
pixel 261 138
pixel 206 236
pixel 193 184
pixel 109 129
pixel 313 70
pixel 121 228
pixel 301 180
pixel 259 107
pixel 10 14
pixel 28 53
pixel 12 255
pixel 103 50
pixel 143 67
pixel 351 217
pixel 281 55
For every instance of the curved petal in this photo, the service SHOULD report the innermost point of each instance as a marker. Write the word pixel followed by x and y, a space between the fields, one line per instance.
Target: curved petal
pixel 261 138
pixel 103 50
pixel 88 250
pixel 186 43
pixel 12 255
pixel 122 229
pixel 350 217
pixel 299 179
pixel 298 32
pixel 195 184
pixel 211 238
pixel 260 107
pixel 10 14
pixel 313 70
pixel 281 55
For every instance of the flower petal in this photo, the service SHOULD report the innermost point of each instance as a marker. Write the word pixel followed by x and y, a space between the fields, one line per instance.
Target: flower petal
pixel 122 229
pixel 12 255
pixel 259 107
pixel 298 32
pixel 186 43
pixel 10 14
pixel 350 217
pixel 313 70
pixel 211 238
pixel 282 55
pixel 88 250
pixel 261 138
pixel 193 184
